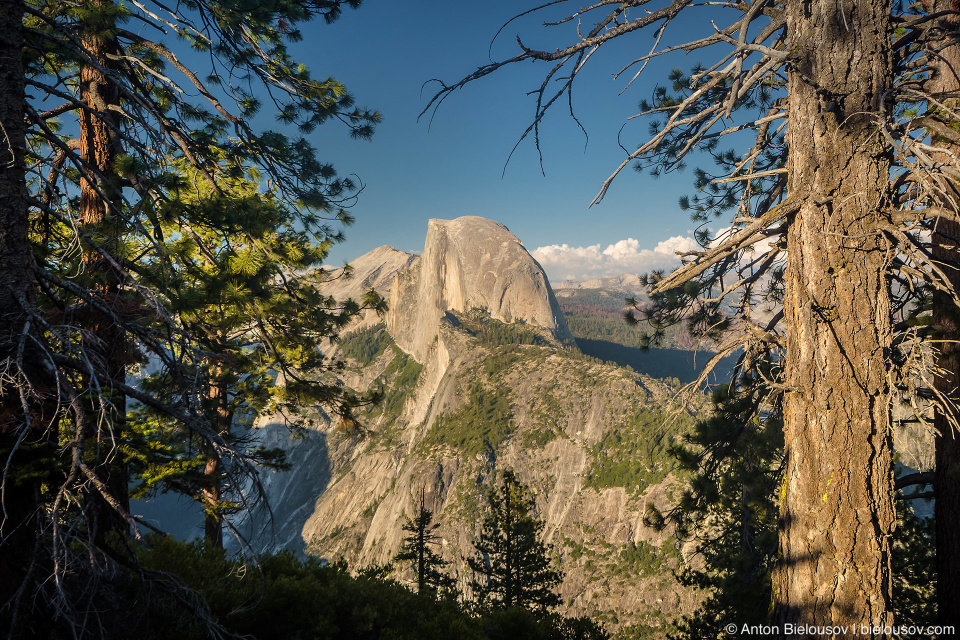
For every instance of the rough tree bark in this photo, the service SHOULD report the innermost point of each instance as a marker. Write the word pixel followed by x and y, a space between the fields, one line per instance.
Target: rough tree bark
pixel 14 244
pixel 837 511
pixel 99 143
pixel 218 401
pixel 212 519
pixel 99 148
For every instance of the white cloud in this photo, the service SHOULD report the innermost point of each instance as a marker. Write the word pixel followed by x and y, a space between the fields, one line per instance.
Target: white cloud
pixel 561 261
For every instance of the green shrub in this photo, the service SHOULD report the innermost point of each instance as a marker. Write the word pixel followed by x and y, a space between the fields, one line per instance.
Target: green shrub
pixel 642 558
pixel 183 587
pixel 539 438
pixel 407 373
pixel 396 383
pixel 494 333
pixel 521 624
pixel 502 359
pixel 633 455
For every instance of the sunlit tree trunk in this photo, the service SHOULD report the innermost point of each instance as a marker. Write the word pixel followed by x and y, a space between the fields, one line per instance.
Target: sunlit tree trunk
pixel 218 399
pixel 212 518
pixel 837 511
pixel 99 148
pixel 98 141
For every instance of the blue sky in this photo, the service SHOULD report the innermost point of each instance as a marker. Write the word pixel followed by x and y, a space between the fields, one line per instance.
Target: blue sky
pixel 453 166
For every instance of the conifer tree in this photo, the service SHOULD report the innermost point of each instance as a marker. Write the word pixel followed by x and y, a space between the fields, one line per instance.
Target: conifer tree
pixel 944 84
pixel 729 509
pixel 729 512
pixel 511 566
pixel 26 402
pixel 247 290
pixel 416 549
pixel 114 119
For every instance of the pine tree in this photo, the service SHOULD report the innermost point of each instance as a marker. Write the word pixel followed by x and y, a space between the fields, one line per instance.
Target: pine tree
pixel 729 512
pixel 246 289
pixel 27 400
pixel 114 121
pixel 416 549
pixel 943 84
pixel 511 566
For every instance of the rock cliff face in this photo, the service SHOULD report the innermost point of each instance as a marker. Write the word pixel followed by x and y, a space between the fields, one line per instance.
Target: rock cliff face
pixel 374 270
pixel 477 379
pixel 469 263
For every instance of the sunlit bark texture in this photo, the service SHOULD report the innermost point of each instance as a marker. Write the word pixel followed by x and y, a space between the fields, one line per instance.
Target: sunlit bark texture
pixel 99 148
pixel 837 510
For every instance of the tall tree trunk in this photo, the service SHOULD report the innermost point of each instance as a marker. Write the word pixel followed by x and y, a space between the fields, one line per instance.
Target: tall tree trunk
pixel 98 140
pixel 212 518
pixel 99 148
pixel 944 85
pixel 26 401
pixel 837 511
pixel 15 276
pixel 946 442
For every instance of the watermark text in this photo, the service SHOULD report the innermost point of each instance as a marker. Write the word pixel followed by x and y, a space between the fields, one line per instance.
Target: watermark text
pixel 865 630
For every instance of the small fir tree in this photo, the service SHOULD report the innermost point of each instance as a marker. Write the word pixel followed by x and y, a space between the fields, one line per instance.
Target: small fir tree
pixel 730 512
pixel 511 567
pixel 729 509
pixel 427 564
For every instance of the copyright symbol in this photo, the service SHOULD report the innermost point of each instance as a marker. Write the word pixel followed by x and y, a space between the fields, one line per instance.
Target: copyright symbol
pixel 730 628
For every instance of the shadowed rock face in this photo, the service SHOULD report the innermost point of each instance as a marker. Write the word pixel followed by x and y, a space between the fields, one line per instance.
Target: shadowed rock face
pixel 470 262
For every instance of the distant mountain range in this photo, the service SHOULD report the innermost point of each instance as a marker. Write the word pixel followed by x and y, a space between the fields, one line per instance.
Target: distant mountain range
pixel 627 282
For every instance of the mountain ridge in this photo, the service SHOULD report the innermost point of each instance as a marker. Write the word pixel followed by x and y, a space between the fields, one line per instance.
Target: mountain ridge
pixel 467 262
pixel 479 374
pixel 629 282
